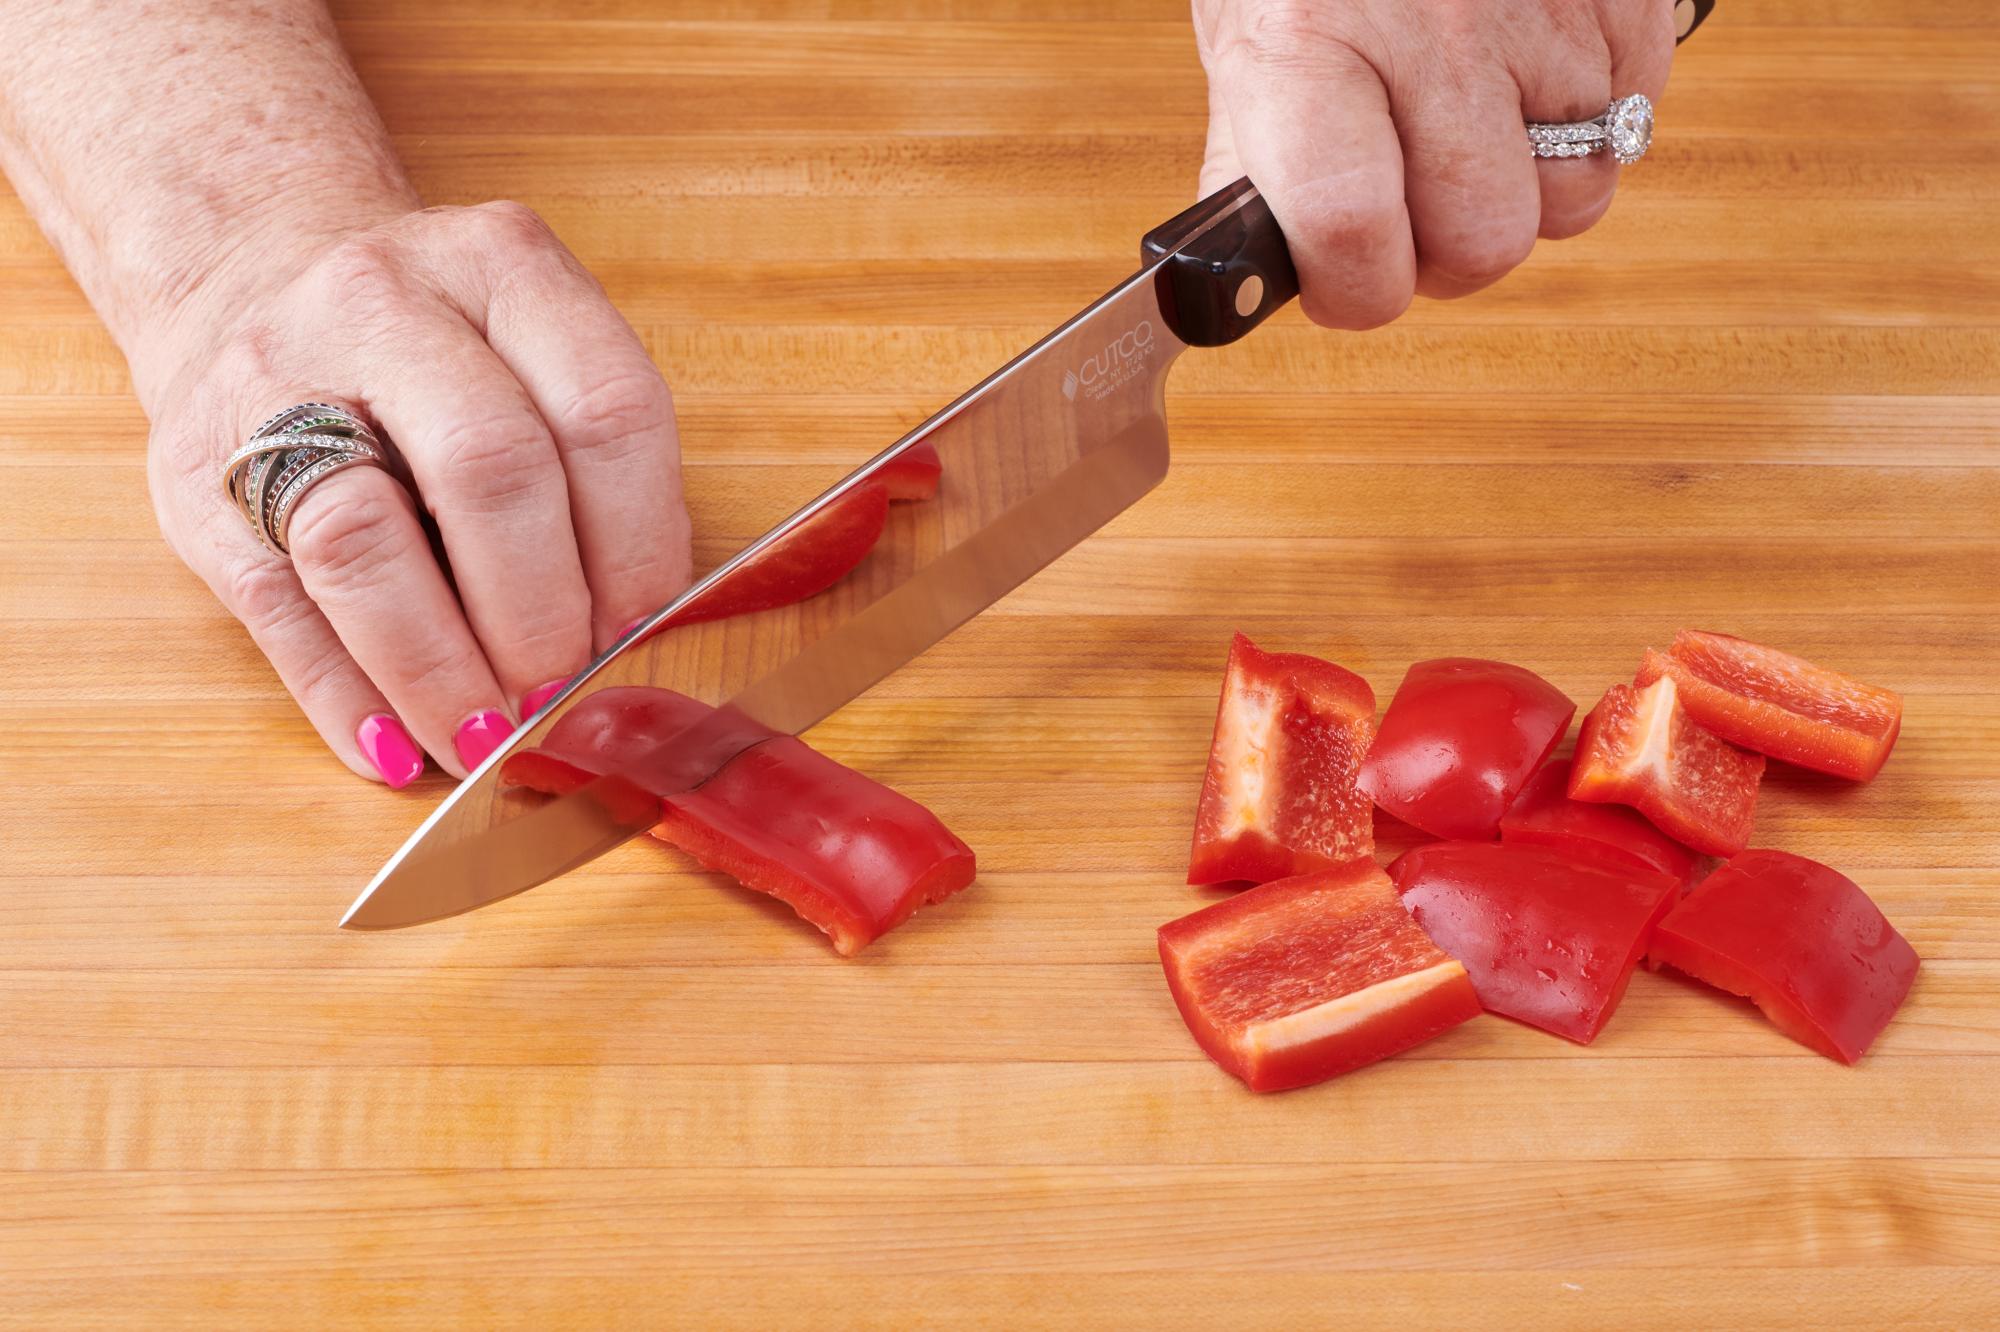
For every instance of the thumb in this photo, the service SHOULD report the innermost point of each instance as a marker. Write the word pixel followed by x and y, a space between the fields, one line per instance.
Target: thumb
pixel 1219 166
pixel 1309 122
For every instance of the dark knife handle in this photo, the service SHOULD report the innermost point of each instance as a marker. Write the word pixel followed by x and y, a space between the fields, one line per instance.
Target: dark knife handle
pixel 1228 279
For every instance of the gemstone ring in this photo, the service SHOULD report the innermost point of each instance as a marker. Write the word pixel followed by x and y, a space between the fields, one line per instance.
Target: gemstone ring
pixel 1625 130
pixel 290 454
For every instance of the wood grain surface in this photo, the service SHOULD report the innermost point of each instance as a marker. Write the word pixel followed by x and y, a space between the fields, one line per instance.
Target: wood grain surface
pixel 1763 396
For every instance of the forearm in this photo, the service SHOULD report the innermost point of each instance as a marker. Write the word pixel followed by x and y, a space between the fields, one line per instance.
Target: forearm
pixel 169 148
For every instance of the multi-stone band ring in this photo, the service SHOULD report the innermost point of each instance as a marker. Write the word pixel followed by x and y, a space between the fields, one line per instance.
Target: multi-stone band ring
pixel 1625 130
pixel 289 455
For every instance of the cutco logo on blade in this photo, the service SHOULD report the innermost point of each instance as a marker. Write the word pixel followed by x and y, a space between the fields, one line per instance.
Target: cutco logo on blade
pixel 1120 361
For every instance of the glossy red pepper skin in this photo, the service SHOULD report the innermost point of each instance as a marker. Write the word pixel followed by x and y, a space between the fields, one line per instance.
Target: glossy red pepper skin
pixel 1301 979
pixel 912 475
pixel 1779 704
pixel 1547 939
pixel 1461 738
pixel 1279 796
pixel 803 563
pixel 1544 815
pixel 1639 748
pixel 1800 940
pixel 850 855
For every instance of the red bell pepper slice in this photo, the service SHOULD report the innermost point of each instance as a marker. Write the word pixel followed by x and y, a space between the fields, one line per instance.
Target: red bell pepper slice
pixel 1798 939
pixel 1639 748
pixel 913 474
pixel 1460 740
pixel 850 855
pixel 1544 815
pixel 1297 980
pixel 1547 939
pixel 1781 705
pixel 803 563
pixel 1279 797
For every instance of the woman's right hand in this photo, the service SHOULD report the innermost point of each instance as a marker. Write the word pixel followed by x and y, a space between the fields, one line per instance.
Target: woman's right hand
pixel 541 439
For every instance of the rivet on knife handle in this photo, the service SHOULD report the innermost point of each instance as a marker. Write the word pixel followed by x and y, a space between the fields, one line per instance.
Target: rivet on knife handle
pixel 1228 270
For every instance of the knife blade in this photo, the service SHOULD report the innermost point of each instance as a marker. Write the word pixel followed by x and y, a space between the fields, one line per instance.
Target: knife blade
pixel 1036 457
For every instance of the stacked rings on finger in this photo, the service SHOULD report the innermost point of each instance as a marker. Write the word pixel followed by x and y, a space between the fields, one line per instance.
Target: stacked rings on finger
pixel 1625 130
pixel 289 455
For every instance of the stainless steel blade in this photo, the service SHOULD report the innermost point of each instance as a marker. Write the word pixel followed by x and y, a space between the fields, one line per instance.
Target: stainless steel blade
pixel 1036 458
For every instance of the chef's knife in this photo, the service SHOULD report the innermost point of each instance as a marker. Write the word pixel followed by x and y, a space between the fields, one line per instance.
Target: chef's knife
pixel 1043 453
pixel 1037 457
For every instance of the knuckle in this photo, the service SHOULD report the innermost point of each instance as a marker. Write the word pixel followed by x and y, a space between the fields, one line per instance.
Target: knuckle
pixel 1357 311
pixel 1355 218
pixel 509 224
pixel 1563 217
pixel 1294 38
pixel 649 577
pixel 1483 254
pixel 429 668
pixel 346 541
pixel 322 679
pixel 496 461
pixel 557 631
pixel 362 276
pixel 620 415
pixel 261 594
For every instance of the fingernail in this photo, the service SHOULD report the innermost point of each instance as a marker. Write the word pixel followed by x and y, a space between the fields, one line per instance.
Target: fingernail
pixel 531 702
pixel 389 748
pixel 479 735
pixel 627 630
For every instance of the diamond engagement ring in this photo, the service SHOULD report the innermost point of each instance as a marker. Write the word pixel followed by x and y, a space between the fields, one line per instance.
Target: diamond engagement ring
pixel 289 455
pixel 1625 129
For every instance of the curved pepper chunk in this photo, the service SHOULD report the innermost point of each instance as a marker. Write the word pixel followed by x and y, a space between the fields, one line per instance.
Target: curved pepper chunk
pixel 1460 740
pixel 1544 815
pixel 803 563
pixel 1638 748
pixel 1546 939
pixel 848 854
pixel 913 474
pixel 1778 704
pixel 1279 797
pixel 1300 979
pixel 1798 939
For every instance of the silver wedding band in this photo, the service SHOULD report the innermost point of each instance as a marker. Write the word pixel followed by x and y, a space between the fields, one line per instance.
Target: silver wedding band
pixel 1625 130
pixel 289 455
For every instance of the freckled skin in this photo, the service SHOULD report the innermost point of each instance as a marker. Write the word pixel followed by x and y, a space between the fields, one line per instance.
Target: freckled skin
pixel 214 175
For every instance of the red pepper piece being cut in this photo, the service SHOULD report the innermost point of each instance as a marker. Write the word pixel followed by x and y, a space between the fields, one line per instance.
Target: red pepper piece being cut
pixel 848 854
pixel 1638 748
pixel 1297 980
pixel 1460 740
pixel 1801 941
pixel 1544 815
pixel 913 474
pixel 1547 939
pixel 1279 797
pixel 803 563
pixel 1778 704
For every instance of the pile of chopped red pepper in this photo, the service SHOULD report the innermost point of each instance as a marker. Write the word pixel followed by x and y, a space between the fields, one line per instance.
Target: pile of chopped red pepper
pixel 1551 879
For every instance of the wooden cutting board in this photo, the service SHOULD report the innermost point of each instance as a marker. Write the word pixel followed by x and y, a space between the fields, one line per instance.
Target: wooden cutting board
pixel 1763 397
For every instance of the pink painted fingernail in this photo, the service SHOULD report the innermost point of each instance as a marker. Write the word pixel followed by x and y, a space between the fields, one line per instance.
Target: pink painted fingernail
pixel 389 748
pixel 634 625
pixel 531 702
pixel 479 735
